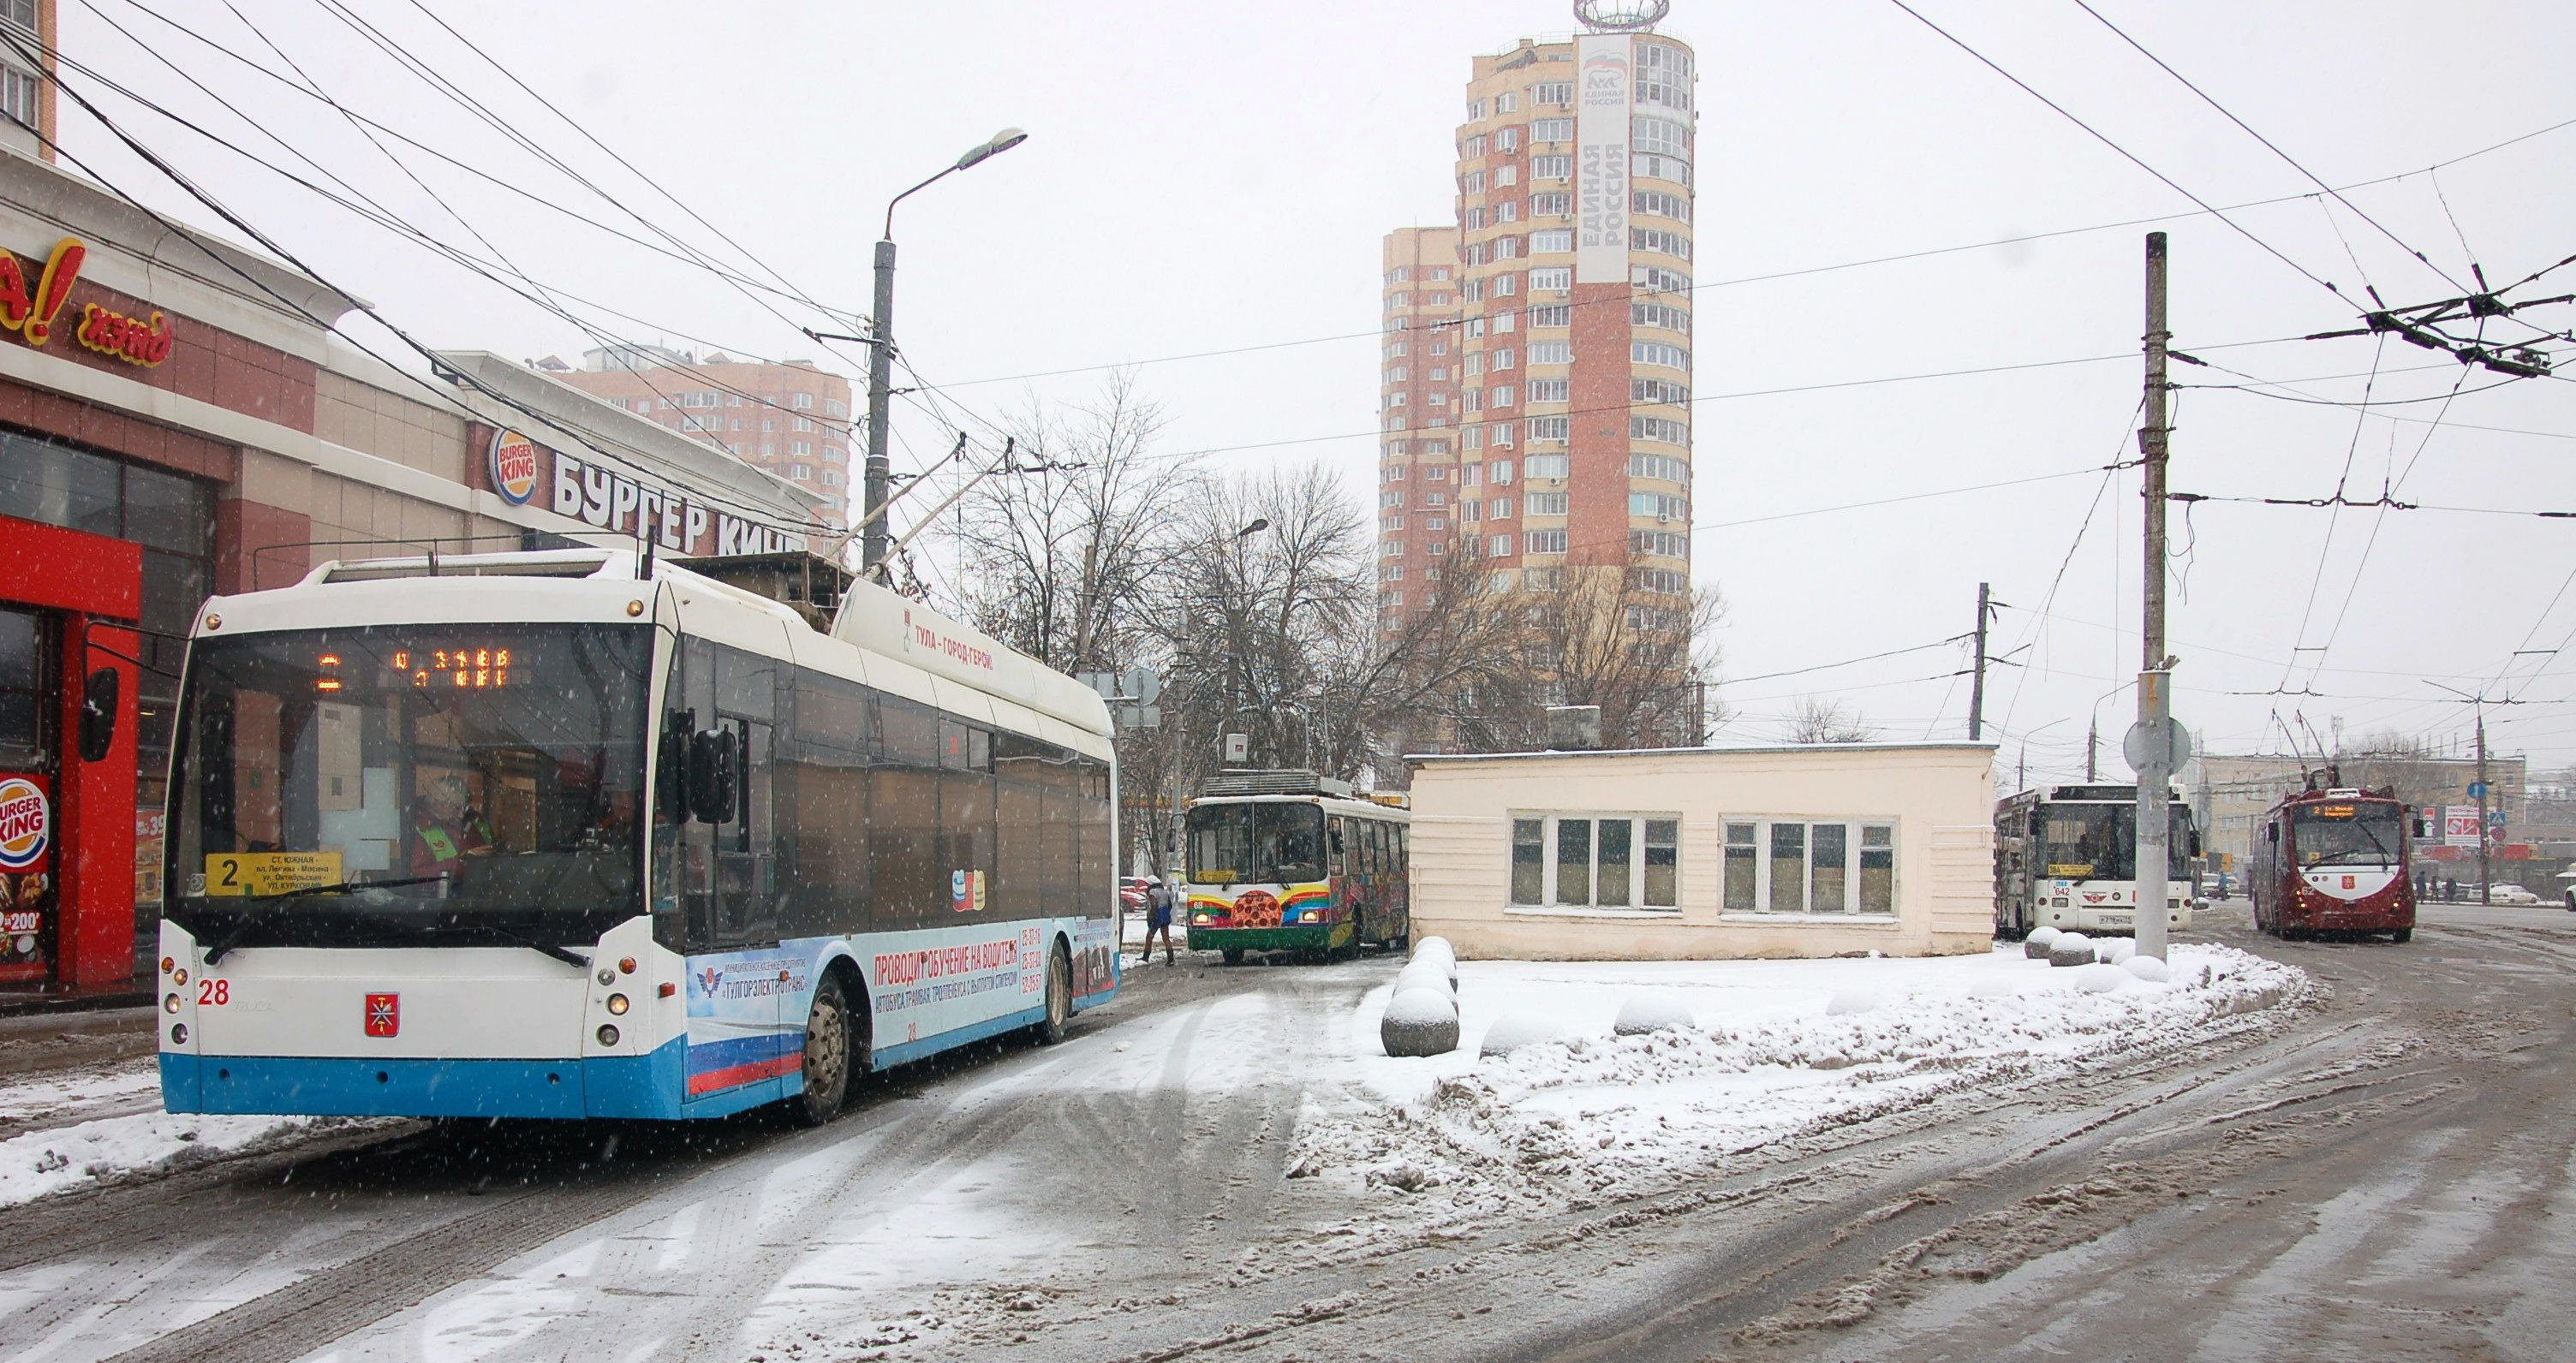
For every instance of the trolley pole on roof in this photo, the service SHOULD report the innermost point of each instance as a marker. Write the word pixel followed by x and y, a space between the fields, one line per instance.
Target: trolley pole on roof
pixel 2155 711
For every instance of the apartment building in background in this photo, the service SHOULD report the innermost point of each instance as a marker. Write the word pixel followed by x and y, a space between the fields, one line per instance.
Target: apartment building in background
pixel 1534 403
pixel 27 77
pixel 791 420
pixel 1419 396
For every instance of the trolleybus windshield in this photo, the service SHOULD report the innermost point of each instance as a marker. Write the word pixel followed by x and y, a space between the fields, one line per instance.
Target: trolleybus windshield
pixel 425 784
pixel 2100 842
pixel 2347 833
pixel 1262 842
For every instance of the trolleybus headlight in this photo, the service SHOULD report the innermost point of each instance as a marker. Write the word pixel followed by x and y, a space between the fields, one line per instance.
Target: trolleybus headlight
pixel 617 1005
pixel 170 1004
pixel 625 965
pixel 179 976
pixel 166 963
pixel 607 1034
pixel 178 1034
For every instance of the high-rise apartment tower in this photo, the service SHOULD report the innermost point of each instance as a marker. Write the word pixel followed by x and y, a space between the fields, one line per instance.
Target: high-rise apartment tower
pixel 1536 376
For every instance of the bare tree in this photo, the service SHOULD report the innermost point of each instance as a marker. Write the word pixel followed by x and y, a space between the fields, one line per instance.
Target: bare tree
pixel 1827 721
pixel 1065 564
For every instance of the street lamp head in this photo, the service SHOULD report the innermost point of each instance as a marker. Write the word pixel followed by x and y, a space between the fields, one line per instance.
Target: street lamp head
pixel 1259 524
pixel 1001 142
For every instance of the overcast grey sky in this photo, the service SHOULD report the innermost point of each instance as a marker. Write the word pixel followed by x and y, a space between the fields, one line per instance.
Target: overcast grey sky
pixel 1208 176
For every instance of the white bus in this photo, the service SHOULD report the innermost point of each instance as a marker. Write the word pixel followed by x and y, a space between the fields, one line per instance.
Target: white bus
pixel 552 834
pixel 2067 858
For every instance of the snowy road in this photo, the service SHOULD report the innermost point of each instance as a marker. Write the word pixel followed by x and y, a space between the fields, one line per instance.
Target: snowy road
pixel 2388 1172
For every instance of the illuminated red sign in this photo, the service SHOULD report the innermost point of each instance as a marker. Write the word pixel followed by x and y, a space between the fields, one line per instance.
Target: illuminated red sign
pixel 33 313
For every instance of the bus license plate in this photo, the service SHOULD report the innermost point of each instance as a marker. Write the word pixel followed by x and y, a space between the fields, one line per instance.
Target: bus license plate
pixel 2115 920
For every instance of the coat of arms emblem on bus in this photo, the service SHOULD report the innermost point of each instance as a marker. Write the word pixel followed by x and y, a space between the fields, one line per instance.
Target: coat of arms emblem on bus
pixel 384 1015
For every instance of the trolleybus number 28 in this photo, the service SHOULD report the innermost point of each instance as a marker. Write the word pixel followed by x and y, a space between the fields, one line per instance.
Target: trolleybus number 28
pixel 214 993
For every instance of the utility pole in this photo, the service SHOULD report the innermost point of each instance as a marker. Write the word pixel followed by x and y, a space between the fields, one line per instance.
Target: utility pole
pixel 2486 889
pixel 2155 713
pixel 872 545
pixel 2092 749
pixel 1977 688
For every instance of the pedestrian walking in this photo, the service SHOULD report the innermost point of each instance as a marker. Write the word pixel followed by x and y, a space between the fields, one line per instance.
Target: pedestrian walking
pixel 1158 918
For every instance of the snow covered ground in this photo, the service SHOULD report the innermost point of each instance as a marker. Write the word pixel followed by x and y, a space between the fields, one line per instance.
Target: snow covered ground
pixel 77 1128
pixel 1778 1048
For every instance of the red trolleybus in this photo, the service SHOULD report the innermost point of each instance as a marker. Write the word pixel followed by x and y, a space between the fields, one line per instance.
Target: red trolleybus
pixel 2334 860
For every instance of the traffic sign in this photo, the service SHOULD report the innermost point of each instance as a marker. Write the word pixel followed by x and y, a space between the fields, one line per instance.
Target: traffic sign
pixel 2137 746
pixel 2477 790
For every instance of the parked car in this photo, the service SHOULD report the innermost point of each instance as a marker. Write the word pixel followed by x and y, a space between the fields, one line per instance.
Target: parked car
pixel 1131 893
pixel 2512 894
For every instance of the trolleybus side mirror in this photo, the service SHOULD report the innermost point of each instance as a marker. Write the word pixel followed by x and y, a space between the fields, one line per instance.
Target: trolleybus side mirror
pixel 712 754
pixel 2195 842
pixel 671 776
pixel 99 696
pixel 2271 832
pixel 2423 827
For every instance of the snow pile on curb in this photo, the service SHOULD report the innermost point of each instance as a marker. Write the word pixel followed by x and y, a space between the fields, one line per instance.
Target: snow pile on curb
pixel 39 1163
pixel 1589 1114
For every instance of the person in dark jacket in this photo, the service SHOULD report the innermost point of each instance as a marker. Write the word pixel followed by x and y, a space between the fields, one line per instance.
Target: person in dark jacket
pixel 1158 918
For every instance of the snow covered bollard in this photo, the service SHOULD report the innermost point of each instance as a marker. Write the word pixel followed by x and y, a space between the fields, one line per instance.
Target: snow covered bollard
pixel 2071 948
pixel 2102 979
pixel 1512 1031
pixel 2148 968
pixel 1651 1010
pixel 1421 1019
pixel 1848 1001
pixel 2035 946
pixel 1435 953
pixel 1429 975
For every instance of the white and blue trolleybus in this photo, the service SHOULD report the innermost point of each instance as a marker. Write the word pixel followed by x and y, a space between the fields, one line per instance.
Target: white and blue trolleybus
pixel 569 834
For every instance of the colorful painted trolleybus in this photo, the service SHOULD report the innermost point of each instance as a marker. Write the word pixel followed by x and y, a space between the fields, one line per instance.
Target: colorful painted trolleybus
pixel 570 834
pixel 1289 861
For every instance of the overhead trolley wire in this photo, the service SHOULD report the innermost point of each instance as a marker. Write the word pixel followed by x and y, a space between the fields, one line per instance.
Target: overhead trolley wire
pixel 685 255
pixel 589 439
pixel 546 297
pixel 2127 155
pixel 2230 116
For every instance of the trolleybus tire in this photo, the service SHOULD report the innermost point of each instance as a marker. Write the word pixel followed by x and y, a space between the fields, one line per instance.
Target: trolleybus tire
pixel 1059 997
pixel 828 1050
pixel 1233 955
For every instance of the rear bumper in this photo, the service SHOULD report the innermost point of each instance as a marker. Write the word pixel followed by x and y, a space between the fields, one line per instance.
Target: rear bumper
pixel 644 1086
pixel 1303 937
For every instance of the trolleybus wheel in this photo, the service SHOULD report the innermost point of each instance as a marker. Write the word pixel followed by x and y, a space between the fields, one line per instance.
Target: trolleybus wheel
pixel 827 1055
pixel 1234 955
pixel 1059 998
pixel 2402 935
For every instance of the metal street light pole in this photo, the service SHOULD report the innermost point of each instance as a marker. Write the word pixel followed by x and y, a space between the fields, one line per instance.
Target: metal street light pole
pixel 872 545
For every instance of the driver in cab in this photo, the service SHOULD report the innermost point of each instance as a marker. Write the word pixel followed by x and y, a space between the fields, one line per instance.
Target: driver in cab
pixel 444 828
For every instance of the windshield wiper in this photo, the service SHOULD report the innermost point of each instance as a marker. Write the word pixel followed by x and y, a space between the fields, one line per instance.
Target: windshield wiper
pixel 243 928
pixel 340 887
pixel 560 953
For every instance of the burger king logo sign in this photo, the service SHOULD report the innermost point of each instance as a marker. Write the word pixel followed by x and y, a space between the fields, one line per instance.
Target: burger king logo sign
pixel 514 467
pixel 26 824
